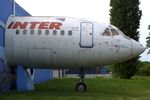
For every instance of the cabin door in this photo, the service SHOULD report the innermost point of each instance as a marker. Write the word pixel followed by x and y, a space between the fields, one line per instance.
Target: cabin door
pixel 86 35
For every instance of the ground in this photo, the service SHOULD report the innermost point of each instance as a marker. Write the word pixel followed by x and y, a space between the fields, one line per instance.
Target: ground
pixel 98 89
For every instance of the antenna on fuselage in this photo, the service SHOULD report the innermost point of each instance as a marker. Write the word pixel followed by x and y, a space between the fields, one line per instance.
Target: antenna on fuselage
pixel 14 8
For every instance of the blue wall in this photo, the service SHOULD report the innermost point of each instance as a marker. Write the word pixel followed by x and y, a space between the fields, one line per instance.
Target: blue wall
pixel 6 9
pixel 40 75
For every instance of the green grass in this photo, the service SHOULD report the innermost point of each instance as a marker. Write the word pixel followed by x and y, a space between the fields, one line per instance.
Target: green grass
pixel 98 89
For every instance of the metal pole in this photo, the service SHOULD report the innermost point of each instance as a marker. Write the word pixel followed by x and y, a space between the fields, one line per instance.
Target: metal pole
pixel 2 24
pixel 14 8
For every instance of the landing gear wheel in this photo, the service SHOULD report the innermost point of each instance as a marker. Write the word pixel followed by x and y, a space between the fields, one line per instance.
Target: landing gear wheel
pixel 81 87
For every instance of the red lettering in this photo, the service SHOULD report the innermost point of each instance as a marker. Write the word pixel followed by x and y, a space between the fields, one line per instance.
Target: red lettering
pixel 55 25
pixel 10 25
pixel 33 24
pixel 44 25
pixel 20 25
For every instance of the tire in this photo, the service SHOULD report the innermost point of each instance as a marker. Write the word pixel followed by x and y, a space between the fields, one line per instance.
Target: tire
pixel 81 87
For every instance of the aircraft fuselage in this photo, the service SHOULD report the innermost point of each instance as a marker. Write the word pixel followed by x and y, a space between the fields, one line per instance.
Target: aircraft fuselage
pixel 61 42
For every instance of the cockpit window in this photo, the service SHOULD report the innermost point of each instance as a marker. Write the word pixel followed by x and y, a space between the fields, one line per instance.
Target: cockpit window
pixel 114 32
pixel 106 32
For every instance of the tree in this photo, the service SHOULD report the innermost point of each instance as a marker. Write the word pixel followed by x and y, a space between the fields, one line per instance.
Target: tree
pixel 126 15
pixel 144 69
pixel 148 41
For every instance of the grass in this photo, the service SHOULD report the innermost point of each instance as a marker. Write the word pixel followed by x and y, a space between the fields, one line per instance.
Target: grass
pixel 98 89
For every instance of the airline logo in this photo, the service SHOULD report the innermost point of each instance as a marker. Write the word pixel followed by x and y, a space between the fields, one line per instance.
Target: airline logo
pixel 35 25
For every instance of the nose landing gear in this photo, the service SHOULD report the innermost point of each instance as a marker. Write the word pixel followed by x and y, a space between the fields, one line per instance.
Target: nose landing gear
pixel 81 86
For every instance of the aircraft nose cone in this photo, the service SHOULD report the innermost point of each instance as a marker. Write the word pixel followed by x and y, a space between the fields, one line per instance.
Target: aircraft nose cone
pixel 137 48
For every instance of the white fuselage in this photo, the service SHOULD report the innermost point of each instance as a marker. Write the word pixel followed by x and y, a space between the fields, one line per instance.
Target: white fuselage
pixel 61 42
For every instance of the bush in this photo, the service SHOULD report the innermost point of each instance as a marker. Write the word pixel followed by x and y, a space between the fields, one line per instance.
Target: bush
pixel 145 70
pixel 126 69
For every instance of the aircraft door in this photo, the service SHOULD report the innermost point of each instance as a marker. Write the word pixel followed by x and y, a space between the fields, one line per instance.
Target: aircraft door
pixel 86 35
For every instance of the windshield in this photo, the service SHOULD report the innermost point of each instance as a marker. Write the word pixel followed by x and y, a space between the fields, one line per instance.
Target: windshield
pixel 106 32
pixel 114 32
pixel 110 32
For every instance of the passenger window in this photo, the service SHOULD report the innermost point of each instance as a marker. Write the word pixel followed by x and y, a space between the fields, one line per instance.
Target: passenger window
pixel 106 32
pixel 17 32
pixel 39 32
pixel 69 33
pixel 47 32
pixel 54 32
pixel 62 32
pixel 24 32
pixel 31 32
pixel 114 32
